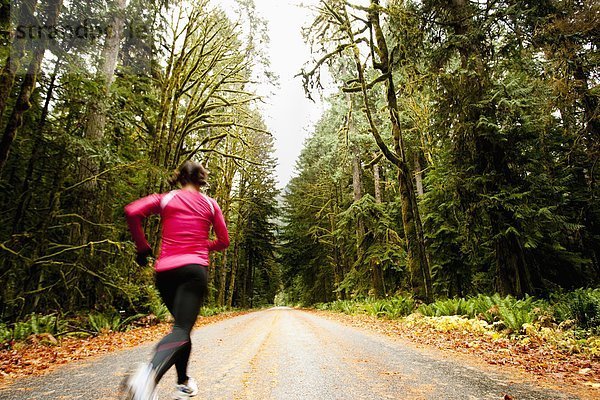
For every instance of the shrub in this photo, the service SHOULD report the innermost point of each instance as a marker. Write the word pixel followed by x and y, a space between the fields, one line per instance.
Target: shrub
pixel 393 307
pixel 582 306
pixel 516 313
pixel 510 312
pixel 209 311
pixel 34 324
pixel 344 306
pixel 6 333
pixel 37 324
pixel 426 310
pixel 375 308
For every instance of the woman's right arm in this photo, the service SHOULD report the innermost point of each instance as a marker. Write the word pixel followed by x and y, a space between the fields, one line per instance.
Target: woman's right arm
pixel 135 213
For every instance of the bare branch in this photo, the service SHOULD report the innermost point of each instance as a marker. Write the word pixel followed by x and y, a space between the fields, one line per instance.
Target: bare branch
pixel 306 76
pixel 374 161
pixel 115 168
pixel 233 156
pixel 370 85
pixel 14 253
pixel 42 259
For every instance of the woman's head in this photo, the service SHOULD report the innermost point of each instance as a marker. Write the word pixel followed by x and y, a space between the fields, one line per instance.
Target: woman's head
pixel 190 173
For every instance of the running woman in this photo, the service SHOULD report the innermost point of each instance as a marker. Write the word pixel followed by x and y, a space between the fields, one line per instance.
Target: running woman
pixel 181 271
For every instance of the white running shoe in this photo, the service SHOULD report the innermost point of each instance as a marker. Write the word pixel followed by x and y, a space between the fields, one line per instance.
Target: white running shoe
pixel 186 390
pixel 141 385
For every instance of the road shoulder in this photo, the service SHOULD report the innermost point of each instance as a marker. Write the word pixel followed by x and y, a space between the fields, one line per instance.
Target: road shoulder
pixel 575 374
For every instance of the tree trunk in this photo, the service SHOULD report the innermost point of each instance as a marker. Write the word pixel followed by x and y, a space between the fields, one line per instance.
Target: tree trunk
pixel 35 152
pixel 36 272
pixel 222 280
pixel 27 87
pixel 337 265
pixel 357 191
pixel 413 230
pixel 16 53
pixel 418 174
pixel 96 119
pixel 252 268
pixel 244 285
pixel 232 276
pixel 377 274
pixel 591 125
pixel 377 183
pixel 512 276
pixel 225 207
pixel 236 246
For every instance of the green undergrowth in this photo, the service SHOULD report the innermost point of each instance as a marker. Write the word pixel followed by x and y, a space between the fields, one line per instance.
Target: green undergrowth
pixel 48 329
pixel 569 320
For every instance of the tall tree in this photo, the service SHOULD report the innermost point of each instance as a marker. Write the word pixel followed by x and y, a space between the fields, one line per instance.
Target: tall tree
pixel 107 63
pixel 335 15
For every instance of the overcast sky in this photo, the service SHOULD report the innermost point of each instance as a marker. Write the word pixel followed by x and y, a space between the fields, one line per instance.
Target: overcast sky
pixel 289 115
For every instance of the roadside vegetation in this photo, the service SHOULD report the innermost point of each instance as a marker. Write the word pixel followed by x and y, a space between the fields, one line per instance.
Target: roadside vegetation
pixel 52 328
pixel 41 352
pixel 569 321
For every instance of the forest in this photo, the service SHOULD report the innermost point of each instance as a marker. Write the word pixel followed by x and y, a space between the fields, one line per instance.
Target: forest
pixel 92 123
pixel 457 155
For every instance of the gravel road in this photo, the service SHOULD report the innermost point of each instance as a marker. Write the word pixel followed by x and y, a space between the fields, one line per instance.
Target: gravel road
pixel 288 354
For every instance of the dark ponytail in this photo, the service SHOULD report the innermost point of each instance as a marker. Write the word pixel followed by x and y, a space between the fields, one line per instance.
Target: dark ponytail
pixel 190 172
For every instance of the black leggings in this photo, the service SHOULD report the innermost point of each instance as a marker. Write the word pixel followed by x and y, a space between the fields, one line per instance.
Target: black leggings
pixel 183 290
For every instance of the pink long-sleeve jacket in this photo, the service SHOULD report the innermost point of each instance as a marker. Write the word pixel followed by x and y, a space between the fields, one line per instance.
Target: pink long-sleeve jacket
pixel 186 220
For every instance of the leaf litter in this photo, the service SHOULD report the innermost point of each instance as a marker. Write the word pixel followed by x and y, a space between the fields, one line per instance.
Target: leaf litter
pixel 40 356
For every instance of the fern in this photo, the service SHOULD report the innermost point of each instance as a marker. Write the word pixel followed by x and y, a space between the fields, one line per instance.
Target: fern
pixel 110 322
pixel 375 308
pixel 397 307
pixel 160 311
pixel 582 306
pixel 210 311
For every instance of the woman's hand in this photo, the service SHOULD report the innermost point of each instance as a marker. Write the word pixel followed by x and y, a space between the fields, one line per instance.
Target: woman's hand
pixel 142 257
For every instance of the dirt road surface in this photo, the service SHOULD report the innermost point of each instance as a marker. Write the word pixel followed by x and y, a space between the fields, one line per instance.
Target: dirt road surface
pixel 287 354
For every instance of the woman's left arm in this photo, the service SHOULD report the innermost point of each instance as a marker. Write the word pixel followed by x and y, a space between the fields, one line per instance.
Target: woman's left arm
pixel 222 241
